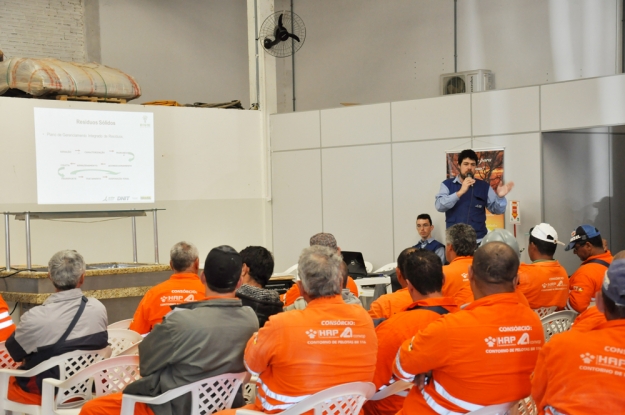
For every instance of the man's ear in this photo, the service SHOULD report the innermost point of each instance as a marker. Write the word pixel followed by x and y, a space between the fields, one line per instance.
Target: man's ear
pixel 203 278
pixel 300 286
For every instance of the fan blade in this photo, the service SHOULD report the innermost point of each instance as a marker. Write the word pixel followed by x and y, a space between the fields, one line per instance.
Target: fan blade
pixel 280 21
pixel 268 43
pixel 294 36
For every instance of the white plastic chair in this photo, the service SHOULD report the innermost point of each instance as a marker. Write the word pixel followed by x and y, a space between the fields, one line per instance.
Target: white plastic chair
pixel 397 388
pixel 207 395
pixel 68 363
pixel 121 339
pixel 101 378
pixel 545 311
pixel 500 409
pixel 131 351
pixel 368 267
pixel 290 271
pixel 525 406
pixel 121 324
pixel 249 390
pixel 387 267
pixel 368 292
pixel 346 399
pixel 6 362
pixel 557 323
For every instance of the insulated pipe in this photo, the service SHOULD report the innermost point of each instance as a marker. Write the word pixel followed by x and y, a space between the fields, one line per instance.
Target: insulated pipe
pixel 7 242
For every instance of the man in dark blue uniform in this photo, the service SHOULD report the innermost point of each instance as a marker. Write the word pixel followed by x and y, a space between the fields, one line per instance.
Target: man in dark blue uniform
pixel 465 199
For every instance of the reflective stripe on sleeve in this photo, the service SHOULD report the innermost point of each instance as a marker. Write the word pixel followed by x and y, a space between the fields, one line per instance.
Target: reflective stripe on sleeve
pixel 6 324
pixel 467 406
pixel 278 397
pixel 408 377
pixel 250 370
pixel 568 305
pixel 550 410
pixel 4 315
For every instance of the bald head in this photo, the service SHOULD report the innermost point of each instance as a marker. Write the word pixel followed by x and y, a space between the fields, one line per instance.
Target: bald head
pixel 495 264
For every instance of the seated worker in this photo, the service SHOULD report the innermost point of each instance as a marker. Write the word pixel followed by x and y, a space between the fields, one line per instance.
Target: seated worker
pixel 322 239
pixel 493 341
pixel 425 228
pixel 460 245
pixel 581 372
pixel 7 327
pixel 196 340
pixel 302 352
pixel 347 296
pixel 257 269
pixel 544 282
pixel 424 274
pixel 182 287
pixel 587 244
pixel 65 322
pixel 389 304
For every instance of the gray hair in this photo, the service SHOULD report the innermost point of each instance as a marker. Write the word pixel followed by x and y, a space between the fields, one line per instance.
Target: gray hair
pixel 65 268
pixel 319 269
pixel 183 255
pixel 462 239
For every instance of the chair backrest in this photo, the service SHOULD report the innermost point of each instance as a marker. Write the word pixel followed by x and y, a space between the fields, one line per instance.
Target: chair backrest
pixel 131 351
pixel 122 324
pixel 122 339
pixel 6 362
pixel 387 267
pixel 346 399
pixel 500 409
pixel 525 406
pixel 368 266
pixel 557 323
pixel 249 390
pixel 361 282
pixel 545 311
pixel 70 366
pixel 396 388
pixel 216 393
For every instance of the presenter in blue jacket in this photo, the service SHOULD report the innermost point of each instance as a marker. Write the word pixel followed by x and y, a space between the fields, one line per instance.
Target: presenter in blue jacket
pixel 464 199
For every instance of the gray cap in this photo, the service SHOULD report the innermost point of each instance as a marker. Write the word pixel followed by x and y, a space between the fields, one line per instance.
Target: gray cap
pixel 502 235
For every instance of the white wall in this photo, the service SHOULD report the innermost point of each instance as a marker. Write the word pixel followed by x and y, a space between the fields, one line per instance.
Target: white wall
pixel 209 178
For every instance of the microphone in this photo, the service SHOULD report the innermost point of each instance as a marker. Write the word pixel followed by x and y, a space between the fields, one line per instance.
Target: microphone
pixel 470 175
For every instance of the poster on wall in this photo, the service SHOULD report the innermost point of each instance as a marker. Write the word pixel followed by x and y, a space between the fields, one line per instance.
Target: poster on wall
pixel 490 169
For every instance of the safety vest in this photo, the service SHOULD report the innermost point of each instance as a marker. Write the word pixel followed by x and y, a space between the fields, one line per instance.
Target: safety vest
pixel 470 208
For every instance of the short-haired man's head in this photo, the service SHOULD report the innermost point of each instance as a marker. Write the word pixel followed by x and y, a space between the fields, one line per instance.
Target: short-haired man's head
pixel 467 154
pixel 260 262
pixel 183 255
pixel 543 247
pixel 319 270
pixel 65 268
pixel 324 239
pixel 425 216
pixel 424 270
pixel 222 269
pixel 462 239
pixel 401 259
pixel 495 263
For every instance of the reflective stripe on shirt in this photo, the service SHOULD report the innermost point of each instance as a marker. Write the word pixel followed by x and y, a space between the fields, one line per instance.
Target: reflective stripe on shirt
pixel 468 406
pixel 287 400
pixel 408 377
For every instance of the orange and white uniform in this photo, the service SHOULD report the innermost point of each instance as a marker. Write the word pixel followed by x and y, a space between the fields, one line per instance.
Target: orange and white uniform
pixel 586 281
pixel 581 372
pixel 300 352
pixel 589 319
pixel 481 355
pixel 157 302
pixel 293 293
pixel 388 305
pixel 391 334
pixel 457 280
pixel 7 327
pixel 544 284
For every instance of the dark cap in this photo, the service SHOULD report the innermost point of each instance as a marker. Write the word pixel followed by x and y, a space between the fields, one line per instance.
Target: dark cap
pixel 614 282
pixel 222 267
pixel 582 234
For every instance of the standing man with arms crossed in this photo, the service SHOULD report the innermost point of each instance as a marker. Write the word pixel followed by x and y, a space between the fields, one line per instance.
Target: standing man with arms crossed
pixel 464 199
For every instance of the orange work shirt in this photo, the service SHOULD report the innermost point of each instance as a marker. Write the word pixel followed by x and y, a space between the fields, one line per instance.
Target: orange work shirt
pixel 388 305
pixel 391 334
pixel 157 302
pixel 586 281
pixel 457 280
pixel 589 319
pixel 7 327
pixel 544 284
pixel 581 372
pixel 301 352
pixel 293 293
pixel 493 341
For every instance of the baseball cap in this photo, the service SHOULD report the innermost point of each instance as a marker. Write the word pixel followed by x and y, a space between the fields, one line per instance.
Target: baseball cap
pixel 580 234
pixel 324 239
pixel 545 232
pixel 614 282
pixel 222 268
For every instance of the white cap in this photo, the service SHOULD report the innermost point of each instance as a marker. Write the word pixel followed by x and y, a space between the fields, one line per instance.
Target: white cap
pixel 545 232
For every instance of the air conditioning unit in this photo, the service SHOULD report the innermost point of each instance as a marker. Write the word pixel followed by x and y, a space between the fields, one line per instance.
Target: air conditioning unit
pixel 469 81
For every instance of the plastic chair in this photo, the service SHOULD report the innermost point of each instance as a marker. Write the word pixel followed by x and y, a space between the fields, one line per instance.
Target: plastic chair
pixel 249 390
pixel 290 271
pixel 6 361
pixel 121 324
pixel 387 267
pixel 68 363
pixel 346 399
pixel 121 339
pixel 101 378
pixel 545 311
pixel 368 267
pixel 368 292
pixel 207 395
pixel 500 409
pixel 557 323
pixel 525 406
pixel 131 351
pixel 399 387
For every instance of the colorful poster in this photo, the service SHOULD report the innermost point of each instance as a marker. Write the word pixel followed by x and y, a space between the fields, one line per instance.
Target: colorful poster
pixel 490 169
